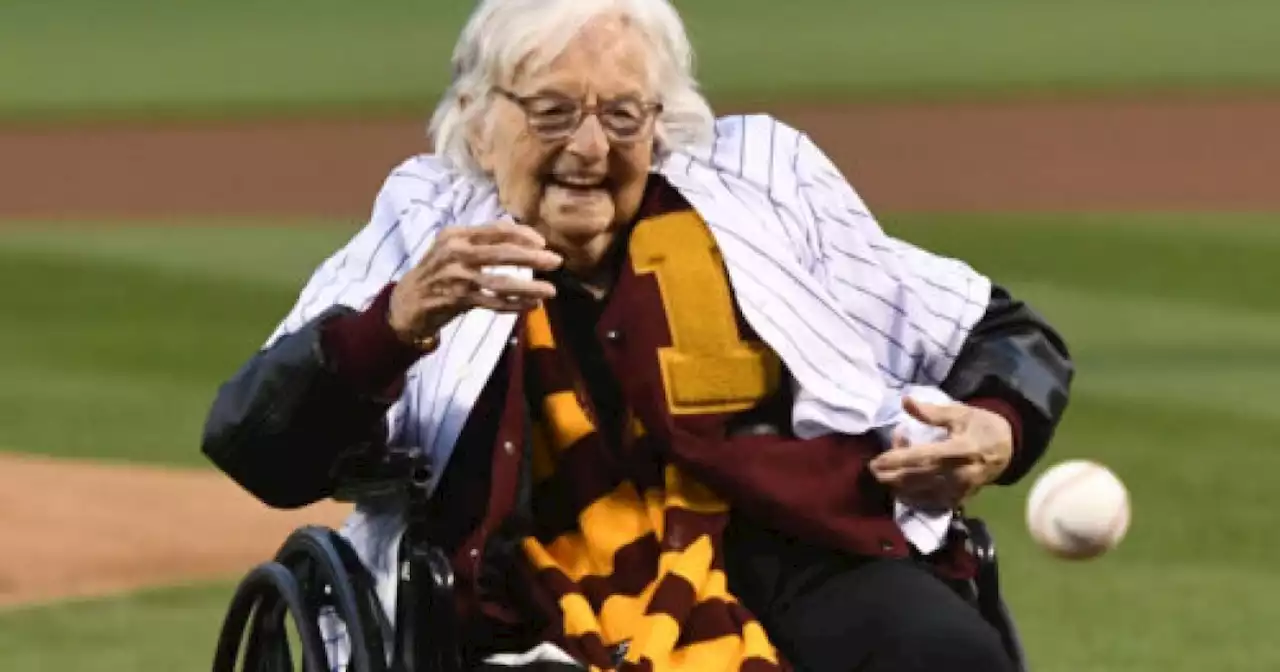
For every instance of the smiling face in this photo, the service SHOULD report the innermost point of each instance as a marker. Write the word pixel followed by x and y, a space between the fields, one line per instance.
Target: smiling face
pixel 576 184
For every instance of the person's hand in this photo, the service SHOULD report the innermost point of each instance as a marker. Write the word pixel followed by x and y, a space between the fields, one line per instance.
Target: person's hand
pixel 450 279
pixel 943 474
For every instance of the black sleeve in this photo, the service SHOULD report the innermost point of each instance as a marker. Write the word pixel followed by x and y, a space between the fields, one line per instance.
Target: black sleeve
pixel 281 423
pixel 1015 355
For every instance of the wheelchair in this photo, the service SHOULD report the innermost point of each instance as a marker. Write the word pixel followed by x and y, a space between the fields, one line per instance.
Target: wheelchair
pixel 316 571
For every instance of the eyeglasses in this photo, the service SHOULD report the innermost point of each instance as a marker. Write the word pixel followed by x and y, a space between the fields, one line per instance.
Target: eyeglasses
pixel 555 117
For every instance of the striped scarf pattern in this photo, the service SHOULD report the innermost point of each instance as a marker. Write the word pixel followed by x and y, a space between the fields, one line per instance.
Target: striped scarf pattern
pixel 626 545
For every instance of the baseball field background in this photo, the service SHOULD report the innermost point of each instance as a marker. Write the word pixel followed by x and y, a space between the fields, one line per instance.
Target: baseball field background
pixel 170 174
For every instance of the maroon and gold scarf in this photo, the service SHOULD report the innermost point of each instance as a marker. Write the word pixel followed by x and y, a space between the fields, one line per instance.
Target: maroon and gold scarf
pixel 630 548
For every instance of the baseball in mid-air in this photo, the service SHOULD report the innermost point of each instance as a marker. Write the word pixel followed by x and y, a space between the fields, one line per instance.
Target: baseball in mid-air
pixel 1078 509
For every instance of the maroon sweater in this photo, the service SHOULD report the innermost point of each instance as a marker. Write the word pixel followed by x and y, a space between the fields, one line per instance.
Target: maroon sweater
pixel 818 489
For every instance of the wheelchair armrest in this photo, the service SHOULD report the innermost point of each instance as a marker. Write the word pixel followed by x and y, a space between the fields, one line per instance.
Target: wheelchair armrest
pixel 426 637
pixel 376 470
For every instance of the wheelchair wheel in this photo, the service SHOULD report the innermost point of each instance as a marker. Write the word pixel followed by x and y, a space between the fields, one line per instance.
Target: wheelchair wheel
pixel 331 577
pixel 314 573
pixel 264 597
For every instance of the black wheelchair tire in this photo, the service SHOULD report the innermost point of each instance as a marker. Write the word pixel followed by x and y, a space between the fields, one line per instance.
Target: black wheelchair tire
pixel 257 605
pixel 328 571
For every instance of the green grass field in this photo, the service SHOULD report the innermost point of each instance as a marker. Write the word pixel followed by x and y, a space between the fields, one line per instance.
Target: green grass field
pixel 1173 320
pixel 133 329
pixel 81 58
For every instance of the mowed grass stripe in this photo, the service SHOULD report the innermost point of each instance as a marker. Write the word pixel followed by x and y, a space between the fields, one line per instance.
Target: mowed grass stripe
pixel 273 252
pixel 166 629
pixel 118 342
pixel 234 56
pixel 1190 355
pixel 1215 259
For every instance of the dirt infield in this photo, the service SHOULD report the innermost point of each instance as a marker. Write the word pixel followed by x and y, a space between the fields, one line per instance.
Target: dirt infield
pixel 1115 155
pixel 77 529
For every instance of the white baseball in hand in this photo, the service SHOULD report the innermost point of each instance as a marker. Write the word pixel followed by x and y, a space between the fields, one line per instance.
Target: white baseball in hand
pixel 1078 509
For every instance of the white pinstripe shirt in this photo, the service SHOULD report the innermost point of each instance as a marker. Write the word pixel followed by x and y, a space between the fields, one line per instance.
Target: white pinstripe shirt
pixel 855 315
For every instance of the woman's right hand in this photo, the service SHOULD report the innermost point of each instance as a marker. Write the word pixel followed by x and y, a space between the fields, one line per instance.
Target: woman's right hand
pixel 450 279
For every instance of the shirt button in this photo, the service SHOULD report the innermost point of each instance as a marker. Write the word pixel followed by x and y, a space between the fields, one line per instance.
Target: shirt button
pixel 513 342
pixel 508 447
pixel 886 545
pixel 613 335
pixel 474 553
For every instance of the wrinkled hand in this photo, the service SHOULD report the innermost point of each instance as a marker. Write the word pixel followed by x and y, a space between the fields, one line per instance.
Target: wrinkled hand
pixel 944 474
pixel 450 279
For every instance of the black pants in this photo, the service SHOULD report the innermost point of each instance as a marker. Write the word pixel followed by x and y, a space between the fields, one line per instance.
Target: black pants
pixel 826 611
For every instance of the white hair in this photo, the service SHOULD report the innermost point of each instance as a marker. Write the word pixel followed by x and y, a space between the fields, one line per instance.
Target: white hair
pixel 502 35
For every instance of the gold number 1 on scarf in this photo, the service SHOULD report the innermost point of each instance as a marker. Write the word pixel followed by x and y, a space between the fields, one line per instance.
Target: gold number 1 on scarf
pixel 709 368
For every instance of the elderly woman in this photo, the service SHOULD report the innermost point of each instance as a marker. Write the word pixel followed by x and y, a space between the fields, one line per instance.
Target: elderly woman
pixel 660 363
